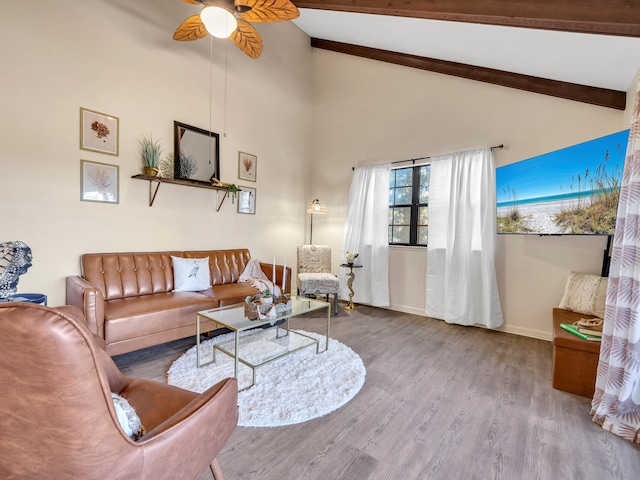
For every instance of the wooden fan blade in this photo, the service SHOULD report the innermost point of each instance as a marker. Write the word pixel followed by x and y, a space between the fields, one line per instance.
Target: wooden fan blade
pixel 191 29
pixel 193 2
pixel 247 39
pixel 266 10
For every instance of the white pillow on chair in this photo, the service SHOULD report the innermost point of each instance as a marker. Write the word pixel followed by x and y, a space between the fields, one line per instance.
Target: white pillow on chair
pixel 127 417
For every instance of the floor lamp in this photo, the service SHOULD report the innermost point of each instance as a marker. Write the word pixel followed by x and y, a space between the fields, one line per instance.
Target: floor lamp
pixel 312 209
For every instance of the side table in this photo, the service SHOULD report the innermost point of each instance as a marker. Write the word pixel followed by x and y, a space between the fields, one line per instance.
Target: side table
pixel 37 298
pixel 575 361
pixel 351 275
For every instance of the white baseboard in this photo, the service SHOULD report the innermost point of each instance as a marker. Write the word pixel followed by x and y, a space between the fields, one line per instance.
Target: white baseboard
pixel 406 309
pixel 525 332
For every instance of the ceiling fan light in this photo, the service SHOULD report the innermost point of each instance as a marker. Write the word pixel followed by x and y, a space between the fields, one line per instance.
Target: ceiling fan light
pixel 218 21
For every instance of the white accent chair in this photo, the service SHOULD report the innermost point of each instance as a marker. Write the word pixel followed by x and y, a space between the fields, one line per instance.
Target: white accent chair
pixel 314 273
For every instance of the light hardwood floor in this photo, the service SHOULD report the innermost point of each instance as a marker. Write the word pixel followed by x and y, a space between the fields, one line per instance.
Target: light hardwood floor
pixel 440 402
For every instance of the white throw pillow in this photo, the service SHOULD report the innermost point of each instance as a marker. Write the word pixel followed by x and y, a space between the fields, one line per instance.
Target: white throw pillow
pixel 584 293
pixel 127 417
pixel 601 297
pixel 190 274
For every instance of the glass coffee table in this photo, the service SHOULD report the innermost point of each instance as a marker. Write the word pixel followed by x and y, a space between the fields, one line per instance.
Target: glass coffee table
pixel 280 343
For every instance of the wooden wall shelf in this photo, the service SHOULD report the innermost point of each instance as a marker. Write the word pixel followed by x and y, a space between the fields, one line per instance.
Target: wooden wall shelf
pixel 176 181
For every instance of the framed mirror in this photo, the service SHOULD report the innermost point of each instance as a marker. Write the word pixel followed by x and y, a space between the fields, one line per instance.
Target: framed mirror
pixel 196 155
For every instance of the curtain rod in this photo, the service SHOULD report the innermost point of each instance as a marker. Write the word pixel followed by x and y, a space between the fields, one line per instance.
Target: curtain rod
pixel 414 160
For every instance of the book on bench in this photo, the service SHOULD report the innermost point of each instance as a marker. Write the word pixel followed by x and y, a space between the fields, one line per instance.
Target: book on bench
pixel 574 329
pixel 589 331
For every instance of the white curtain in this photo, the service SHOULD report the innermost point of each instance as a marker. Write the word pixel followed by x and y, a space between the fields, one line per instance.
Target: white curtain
pixel 461 276
pixel 616 403
pixel 366 233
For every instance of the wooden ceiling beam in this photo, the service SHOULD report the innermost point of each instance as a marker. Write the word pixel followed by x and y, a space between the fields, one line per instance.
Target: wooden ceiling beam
pixel 580 93
pixel 606 17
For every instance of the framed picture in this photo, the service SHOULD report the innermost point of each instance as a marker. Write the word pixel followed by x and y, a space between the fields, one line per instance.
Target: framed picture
pixel 99 132
pixel 99 182
pixel 196 154
pixel 247 200
pixel 247 165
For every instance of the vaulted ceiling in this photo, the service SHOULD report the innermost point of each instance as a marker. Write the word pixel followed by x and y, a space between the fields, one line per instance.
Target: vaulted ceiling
pixel 582 50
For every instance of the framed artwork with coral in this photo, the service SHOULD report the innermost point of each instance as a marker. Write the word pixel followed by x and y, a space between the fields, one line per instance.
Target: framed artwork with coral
pixel 99 182
pixel 99 132
pixel 247 166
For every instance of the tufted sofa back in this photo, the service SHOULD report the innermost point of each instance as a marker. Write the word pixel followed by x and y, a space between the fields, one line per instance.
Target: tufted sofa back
pixel 123 275
pixel 225 265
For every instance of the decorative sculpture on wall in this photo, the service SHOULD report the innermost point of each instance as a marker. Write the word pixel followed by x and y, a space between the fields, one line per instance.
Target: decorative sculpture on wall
pixel 15 259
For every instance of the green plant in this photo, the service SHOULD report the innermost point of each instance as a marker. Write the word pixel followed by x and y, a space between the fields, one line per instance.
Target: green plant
pixel 151 151
pixel 232 188
pixel 596 209
pixel 513 221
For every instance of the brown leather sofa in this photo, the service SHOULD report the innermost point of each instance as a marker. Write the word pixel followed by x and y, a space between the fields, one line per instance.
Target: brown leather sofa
pixel 59 420
pixel 128 298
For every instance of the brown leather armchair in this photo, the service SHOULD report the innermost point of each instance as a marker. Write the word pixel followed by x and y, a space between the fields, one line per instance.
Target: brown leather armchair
pixel 57 418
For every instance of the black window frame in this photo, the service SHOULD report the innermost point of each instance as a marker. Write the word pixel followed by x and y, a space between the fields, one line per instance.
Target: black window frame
pixel 414 206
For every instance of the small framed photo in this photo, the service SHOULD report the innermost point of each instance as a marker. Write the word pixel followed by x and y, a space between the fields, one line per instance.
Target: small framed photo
pixel 247 200
pixel 247 166
pixel 99 182
pixel 99 132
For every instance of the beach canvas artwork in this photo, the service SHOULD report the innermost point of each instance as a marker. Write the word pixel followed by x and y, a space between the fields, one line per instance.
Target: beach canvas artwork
pixel 573 191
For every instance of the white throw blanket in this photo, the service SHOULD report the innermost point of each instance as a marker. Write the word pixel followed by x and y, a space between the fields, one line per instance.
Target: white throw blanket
pixel 254 276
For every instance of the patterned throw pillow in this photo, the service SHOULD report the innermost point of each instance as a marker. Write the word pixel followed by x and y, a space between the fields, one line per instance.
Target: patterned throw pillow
pixel 601 297
pixel 190 274
pixel 127 417
pixel 585 293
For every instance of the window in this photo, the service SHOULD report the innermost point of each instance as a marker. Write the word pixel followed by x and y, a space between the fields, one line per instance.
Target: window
pixel 409 205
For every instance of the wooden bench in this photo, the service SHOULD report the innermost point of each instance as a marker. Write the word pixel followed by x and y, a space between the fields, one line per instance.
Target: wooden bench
pixel 575 361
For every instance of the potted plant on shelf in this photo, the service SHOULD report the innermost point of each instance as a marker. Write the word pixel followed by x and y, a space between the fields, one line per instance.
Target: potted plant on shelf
pixel 233 191
pixel 232 188
pixel 151 153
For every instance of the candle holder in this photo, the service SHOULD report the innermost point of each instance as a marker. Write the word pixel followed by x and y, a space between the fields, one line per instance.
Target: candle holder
pixel 255 309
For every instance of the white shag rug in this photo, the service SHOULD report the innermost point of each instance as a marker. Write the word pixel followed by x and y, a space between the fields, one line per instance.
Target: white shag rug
pixel 293 389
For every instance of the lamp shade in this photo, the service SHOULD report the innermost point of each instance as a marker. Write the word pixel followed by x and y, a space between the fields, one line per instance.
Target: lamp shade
pixel 218 21
pixel 316 207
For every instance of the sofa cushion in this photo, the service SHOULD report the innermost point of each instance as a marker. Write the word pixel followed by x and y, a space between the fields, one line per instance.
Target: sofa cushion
pixel 129 318
pixel 190 274
pixel 317 283
pixel 585 293
pixel 231 293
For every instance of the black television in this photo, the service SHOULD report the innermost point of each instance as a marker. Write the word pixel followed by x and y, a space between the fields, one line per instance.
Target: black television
pixel 572 191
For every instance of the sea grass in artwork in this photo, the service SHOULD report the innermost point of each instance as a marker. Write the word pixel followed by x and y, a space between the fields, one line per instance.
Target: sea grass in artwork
pixel 573 191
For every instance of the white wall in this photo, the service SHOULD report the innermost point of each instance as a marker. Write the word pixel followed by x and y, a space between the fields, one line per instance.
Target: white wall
pixel 118 57
pixel 631 99
pixel 368 112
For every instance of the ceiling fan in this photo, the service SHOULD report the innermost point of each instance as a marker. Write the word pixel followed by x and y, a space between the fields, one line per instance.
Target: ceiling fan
pixel 230 18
